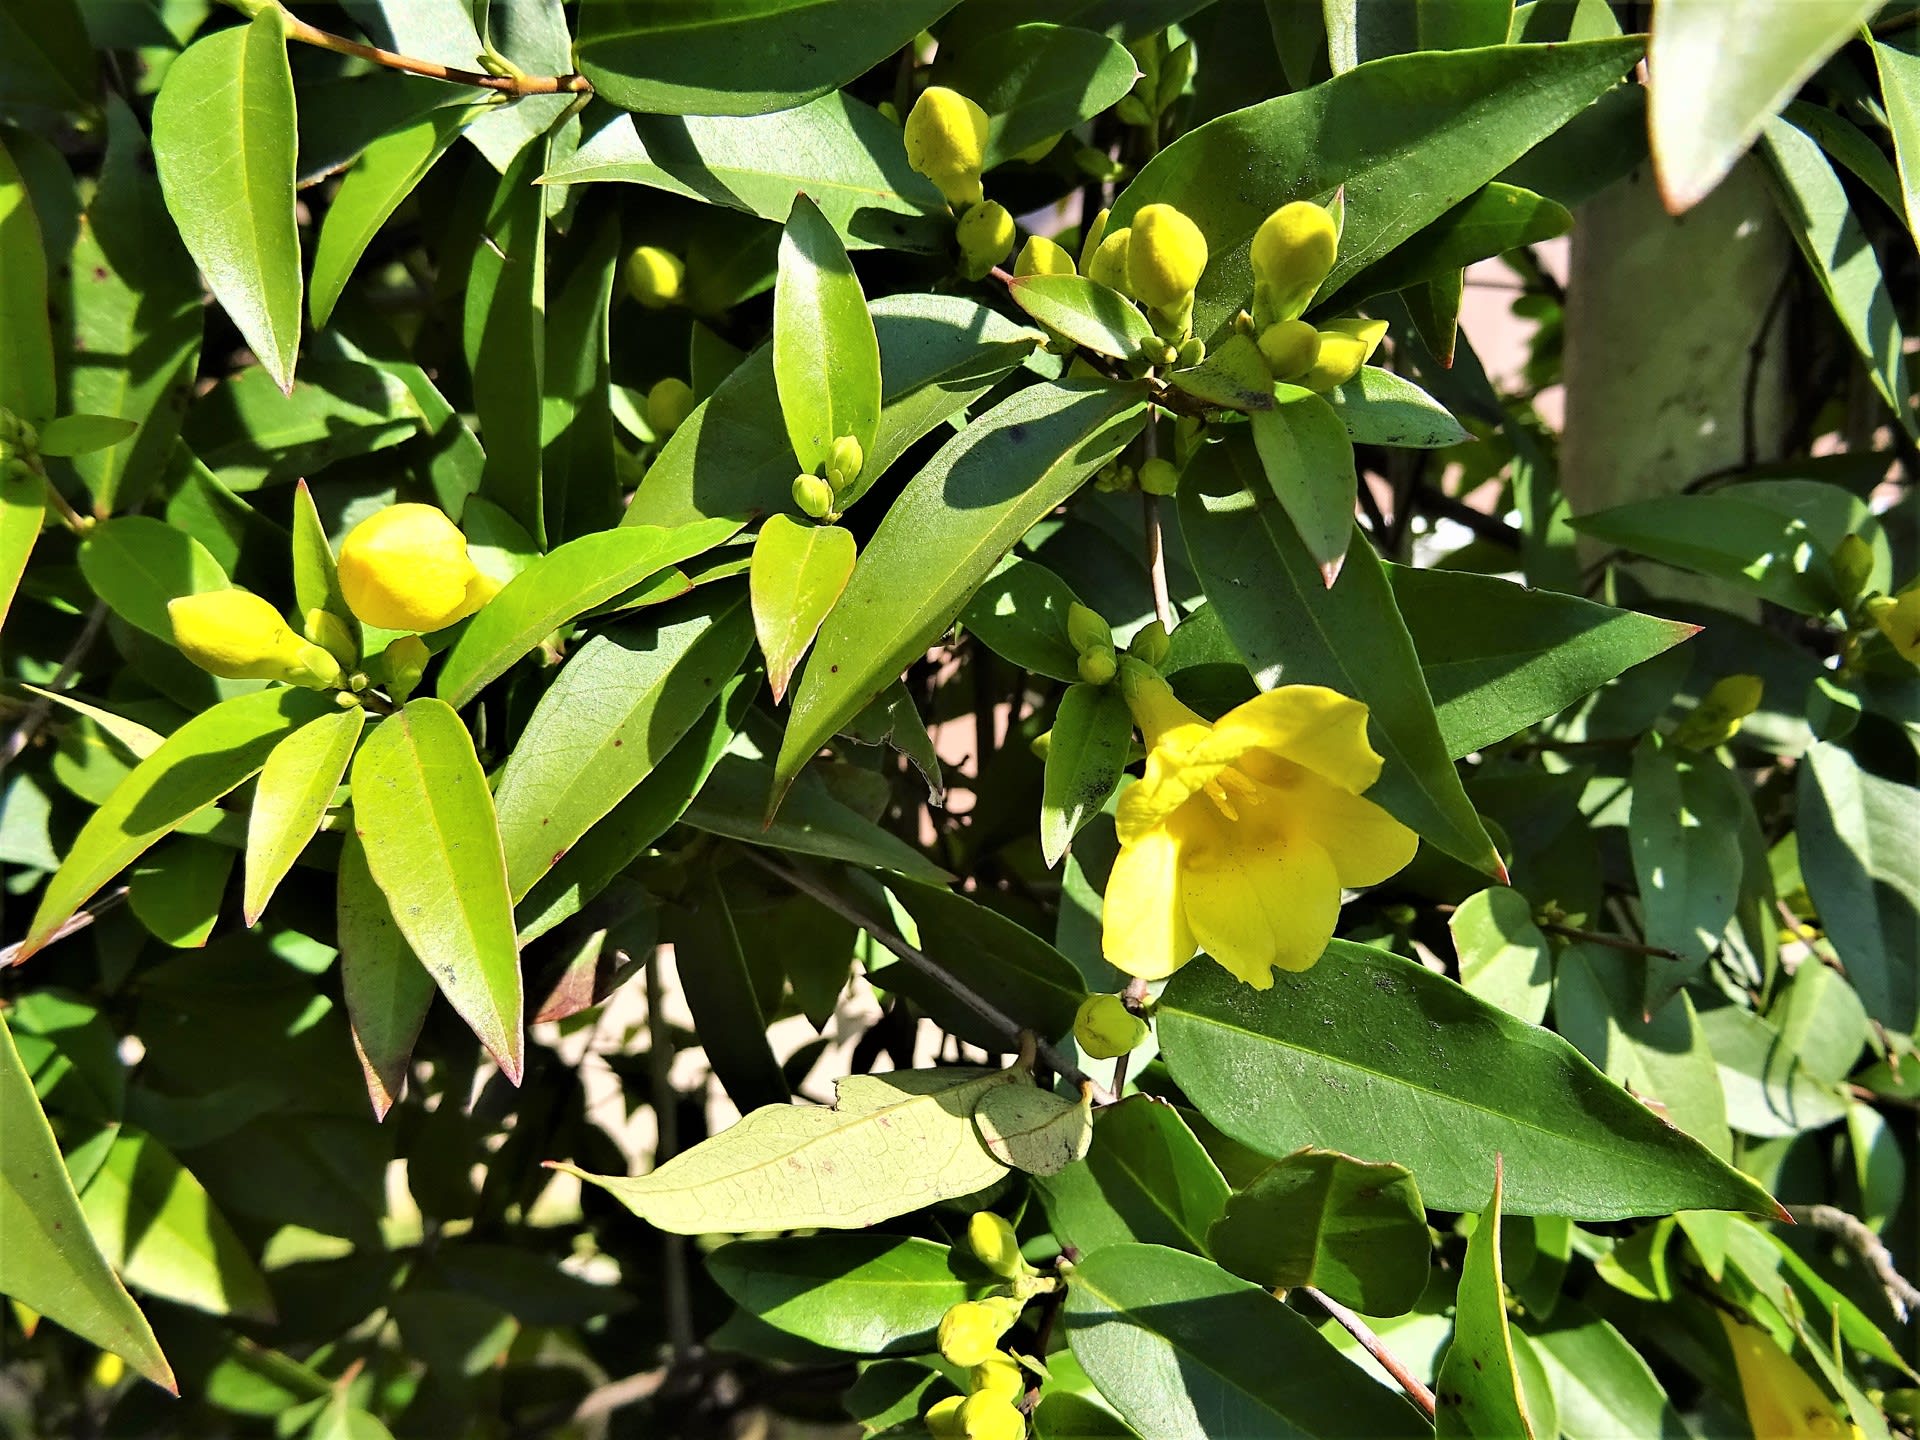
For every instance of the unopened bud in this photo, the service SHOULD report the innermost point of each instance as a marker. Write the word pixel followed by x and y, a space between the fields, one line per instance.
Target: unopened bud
pixel 403 663
pixel 985 1416
pixel 1098 667
pixel 985 236
pixel 1106 1028
pixel 406 567
pixel 844 462
pixel 1159 477
pixel 1717 718
pixel 1898 618
pixel 235 634
pixel 995 1245
pixel 946 136
pixel 943 1418
pixel 1151 644
pixel 655 276
pixel 1192 351
pixel 1290 348
pixel 1292 254
pixel 1109 264
pixel 1090 242
pixel 1087 630
pixel 1852 566
pixel 1345 348
pixel 1165 257
pixel 669 403
pixel 1000 1375
pixel 813 496
pixel 1040 744
pixel 971 1330
pixel 1040 256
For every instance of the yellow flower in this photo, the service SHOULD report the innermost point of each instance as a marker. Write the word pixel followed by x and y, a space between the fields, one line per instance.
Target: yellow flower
pixel 236 634
pixel 1166 256
pixel 946 136
pixel 1243 831
pixel 406 568
pixel 971 1331
pixel 1898 618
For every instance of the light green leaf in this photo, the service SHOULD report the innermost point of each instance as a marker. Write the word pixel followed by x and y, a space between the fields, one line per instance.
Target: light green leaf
pixel 893 1143
pixel 1353 1229
pixel 1505 958
pixel 386 989
pixel 1267 1068
pixel 1363 30
pixel 572 579
pixel 69 435
pixel 1379 407
pixel 1185 1351
pixel 369 193
pixel 826 361
pixel 504 332
pixel 870 1294
pixel 1145 1178
pixel 251 434
pixel 1035 81
pixel 26 333
pixel 799 571
pixel 1234 376
pixel 1091 733
pixel 423 812
pixel 1308 460
pixel 201 761
pixel 295 788
pixel 51 1262
pixel 1478 1389
pixel 176 890
pixel 160 1229
pixel 1769 1093
pixel 1720 73
pixel 1035 1130
pixel 1900 92
pixel 223 138
pixel 615 711
pixel 316 577
pixel 1085 311
pixel 137 564
pixel 1475 112
pixel 1602 1386
pixel 951 525
pixel 23 510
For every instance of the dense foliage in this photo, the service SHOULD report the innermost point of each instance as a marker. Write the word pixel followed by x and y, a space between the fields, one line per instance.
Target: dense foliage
pixel 757 717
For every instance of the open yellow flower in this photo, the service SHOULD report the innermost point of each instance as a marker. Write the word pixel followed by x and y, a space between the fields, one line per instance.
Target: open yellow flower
pixel 1243 831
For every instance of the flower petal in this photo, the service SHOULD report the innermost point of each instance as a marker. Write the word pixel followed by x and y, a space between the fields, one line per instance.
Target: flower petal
pixel 1310 725
pixel 1365 843
pixel 1144 930
pixel 1173 777
pixel 1272 901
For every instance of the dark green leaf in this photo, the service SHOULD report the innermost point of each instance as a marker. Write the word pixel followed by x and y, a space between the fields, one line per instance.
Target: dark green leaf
pixel 871 1294
pixel 1757 547
pixel 1493 220
pixel 1034 81
pixel 1004 963
pixel 386 989
pixel 136 564
pixel 1308 460
pixel 579 484
pixel 176 890
pixel 69 435
pixel 1021 614
pixel 1478 1390
pixel 1684 830
pixel 46 58
pixel 26 334
pixel 505 338
pixel 1091 733
pixel 1363 30
pixel 1899 70
pixel 1145 1178
pixel 251 434
pixel 713 972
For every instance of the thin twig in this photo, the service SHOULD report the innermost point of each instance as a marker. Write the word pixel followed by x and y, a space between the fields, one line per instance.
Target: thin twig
pixel 979 1004
pixel 22 734
pixel 1377 1348
pixel 1050 1304
pixel 512 85
pixel 73 924
pixel 1157 560
pixel 1612 942
pixel 665 1146
pixel 1902 1294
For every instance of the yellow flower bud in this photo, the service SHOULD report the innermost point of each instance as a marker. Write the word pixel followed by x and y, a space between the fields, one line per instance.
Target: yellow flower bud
pixel 1345 348
pixel 1290 348
pixel 1151 644
pixel 813 496
pixel 406 568
pixel 669 403
pixel 1898 618
pixel 1098 667
pixel 1040 256
pixel 108 1368
pixel 1716 719
pixel 946 136
pixel 1087 630
pixel 991 1417
pixel 971 1330
pixel 235 634
pixel 1159 477
pixel 943 1418
pixel 1040 745
pixel 1293 253
pixel 1090 242
pixel 844 462
pixel 995 1245
pixel 1000 1376
pixel 985 234
pixel 1166 256
pixel 404 662
pixel 655 276
pixel 1105 1027
pixel 1109 264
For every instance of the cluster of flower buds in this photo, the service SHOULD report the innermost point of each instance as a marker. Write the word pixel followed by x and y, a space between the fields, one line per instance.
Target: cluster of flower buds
pixel 19 447
pixel 946 135
pixel 970 1336
pixel 1293 253
pixel 1158 261
pixel 1092 640
pixel 1896 617
pixel 818 497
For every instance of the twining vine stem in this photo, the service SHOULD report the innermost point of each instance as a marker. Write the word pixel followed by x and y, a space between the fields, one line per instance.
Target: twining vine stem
pixel 1377 1348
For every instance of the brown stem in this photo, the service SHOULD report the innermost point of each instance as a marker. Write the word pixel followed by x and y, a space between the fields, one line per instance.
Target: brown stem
pixel 1377 1348
pixel 1157 556
pixel 1902 1294
pixel 22 734
pixel 73 924
pixel 513 85
pixel 1612 942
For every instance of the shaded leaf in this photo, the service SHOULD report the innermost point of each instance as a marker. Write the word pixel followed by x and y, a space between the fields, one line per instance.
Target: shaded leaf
pixel 871 1294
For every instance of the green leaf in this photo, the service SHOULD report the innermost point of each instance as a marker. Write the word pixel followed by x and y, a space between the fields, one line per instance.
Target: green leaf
pixel 718 57
pixel 1291 629
pixel 160 1229
pixel 580 487
pixel 70 435
pixel 1035 1130
pixel 201 761
pixel 387 990
pixel 1185 1351
pixel 1362 30
pixel 617 708
pixel 1353 1229
pixel 1379 407
pixel 893 1143
pixel 136 564
pixel 1021 614
pixel 423 812
pixel 504 331
pixel 938 353
pixel 1769 1093
pixel 1308 460
pixel 826 361
pixel 1505 958
pixel 46 59
pixel 371 190
pixel 343 1420
pixel 844 155
pixel 1085 311
pixel 1380 1083
pixel 713 972
pixel 951 525
pixel 1899 70
pixel 1475 112
pixel 798 573
pixel 291 799
pixel 1498 657
pixel 1091 733
pixel 1601 1385
pixel 1234 376
pixel 1145 1179
pixel 316 577
pixel 223 138
pixel 1684 830
pixel 1820 217
pixel 1493 220
pixel 26 332
pixel 23 510
pixel 177 889
pixel 1478 1390
pixel 870 1294
pixel 251 434
pixel 572 579
pixel 1718 79
pixel 1035 81
pixel 1860 853
pixel 51 1262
